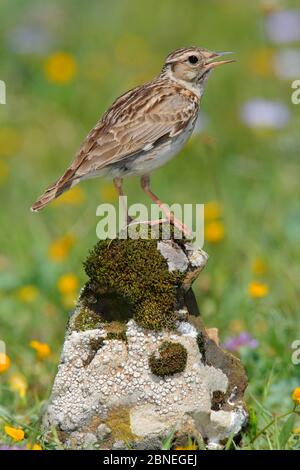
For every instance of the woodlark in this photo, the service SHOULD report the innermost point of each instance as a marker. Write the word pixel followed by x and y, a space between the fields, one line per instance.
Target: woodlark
pixel 144 128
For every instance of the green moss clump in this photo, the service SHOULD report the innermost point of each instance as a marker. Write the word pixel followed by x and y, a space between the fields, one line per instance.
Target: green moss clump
pixel 136 276
pixel 171 359
pixel 86 320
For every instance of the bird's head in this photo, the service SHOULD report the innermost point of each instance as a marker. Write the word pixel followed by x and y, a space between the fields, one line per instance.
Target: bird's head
pixel 193 65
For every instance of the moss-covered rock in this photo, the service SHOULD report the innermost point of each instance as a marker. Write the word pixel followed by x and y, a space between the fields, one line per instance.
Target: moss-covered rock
pixel 170 359
pixel 130 279
pixel 85 319
pixel 101 383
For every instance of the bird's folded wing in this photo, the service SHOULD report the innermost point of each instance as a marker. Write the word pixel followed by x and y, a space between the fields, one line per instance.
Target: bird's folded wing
pixel 132 125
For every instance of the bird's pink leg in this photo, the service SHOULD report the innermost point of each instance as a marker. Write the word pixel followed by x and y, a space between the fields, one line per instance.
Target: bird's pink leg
pixel 145 183
pixel 118 182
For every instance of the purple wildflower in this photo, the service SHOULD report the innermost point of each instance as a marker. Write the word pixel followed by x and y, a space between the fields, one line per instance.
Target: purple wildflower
pixel 263 113
pixel 6 447
pixel 283 26
pixel 28 40
pixel 244 340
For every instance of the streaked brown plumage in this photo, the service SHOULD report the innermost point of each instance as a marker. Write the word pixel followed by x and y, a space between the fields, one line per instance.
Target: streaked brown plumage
pixel 143 128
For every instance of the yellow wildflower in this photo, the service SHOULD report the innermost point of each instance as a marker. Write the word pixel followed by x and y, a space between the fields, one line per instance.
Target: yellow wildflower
pixel 259 266
pixel 108 193
pixel 67 284
pixel 59 249
pixel 10 141
pixel 296 431
pixel 27 293
pixel 69 300
pixel 187 447
pixel 212 210
pixel 43 350
pixel 214 231
pixel 17 434
pixel 17 383
pixel 268 7
pixel 296 396
pixel 261 62
pixel 60 68
pixel 4 362
pixel 258 289
pixel 73 197
pixel 33 447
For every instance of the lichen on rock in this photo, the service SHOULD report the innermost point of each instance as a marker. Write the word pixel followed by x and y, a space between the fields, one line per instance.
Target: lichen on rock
pixel 170 359
pixel 137 362
pixel 118 420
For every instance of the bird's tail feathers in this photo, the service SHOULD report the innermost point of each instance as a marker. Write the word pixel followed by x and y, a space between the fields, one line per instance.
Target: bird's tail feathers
pixel 54 191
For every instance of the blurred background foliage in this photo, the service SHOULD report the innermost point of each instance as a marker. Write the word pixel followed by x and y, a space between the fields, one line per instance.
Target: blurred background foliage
pixel 63 63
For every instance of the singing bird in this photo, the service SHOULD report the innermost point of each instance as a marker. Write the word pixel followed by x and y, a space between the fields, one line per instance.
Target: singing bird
pixel 144 128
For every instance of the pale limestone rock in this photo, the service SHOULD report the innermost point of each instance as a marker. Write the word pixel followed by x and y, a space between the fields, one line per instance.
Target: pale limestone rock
pixel 105 393
pixel 155 405
pixel 103 431
pixel 175 257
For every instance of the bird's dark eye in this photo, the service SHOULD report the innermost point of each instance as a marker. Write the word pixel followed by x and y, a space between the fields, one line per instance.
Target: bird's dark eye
pixel 193 59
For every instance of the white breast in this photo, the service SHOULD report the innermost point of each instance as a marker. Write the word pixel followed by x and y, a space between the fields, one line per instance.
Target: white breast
pixel 158 157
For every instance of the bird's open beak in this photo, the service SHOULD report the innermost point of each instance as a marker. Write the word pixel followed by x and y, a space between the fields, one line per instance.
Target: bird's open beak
pixel 212 63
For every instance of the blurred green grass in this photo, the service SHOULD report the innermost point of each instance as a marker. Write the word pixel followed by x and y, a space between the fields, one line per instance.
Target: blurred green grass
pixel 253 175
